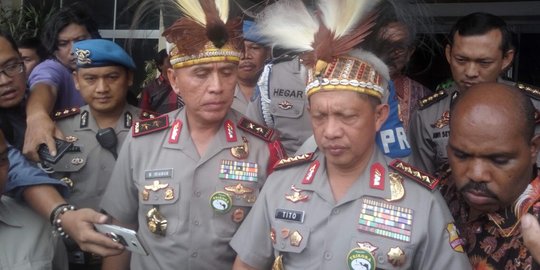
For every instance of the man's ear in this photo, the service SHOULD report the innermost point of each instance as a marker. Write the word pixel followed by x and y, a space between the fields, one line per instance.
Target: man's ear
pixel 172 80
pixel 508 57
pixel 130 78
pixel 75 80
pixel 447 53
pixel 381 114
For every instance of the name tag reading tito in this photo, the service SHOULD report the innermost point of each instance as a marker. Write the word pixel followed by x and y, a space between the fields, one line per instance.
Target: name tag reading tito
pixel 290 215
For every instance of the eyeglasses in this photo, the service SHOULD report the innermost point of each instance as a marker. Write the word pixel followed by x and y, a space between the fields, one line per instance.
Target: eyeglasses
pixel 12 70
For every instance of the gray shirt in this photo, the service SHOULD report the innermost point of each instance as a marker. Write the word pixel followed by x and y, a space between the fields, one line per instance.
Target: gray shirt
pixel 203 198
pixel 430 130
pixel 315 232
pixel 281 103
pixel 89 165
pixel 27 239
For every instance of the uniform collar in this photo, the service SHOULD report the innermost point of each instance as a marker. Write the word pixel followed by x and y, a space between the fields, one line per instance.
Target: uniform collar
pixel 361 186
pixel 217 144
pixel 85 120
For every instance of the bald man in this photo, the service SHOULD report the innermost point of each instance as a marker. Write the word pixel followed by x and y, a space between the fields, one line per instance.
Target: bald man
pixel 492 151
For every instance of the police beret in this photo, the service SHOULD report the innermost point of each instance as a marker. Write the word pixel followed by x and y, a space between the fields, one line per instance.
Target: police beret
pixel 251 32
pixel 101 52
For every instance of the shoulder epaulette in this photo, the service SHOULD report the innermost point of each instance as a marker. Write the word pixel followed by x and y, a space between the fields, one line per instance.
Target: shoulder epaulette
pixel 432 99
pixel 529 90
pixel 146 114
pixel 291 161
pixel 415 174
pixel 255 129
pixel 65 113
pixel 147 126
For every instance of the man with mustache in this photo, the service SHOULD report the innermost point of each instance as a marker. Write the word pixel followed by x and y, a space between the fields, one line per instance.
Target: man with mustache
pixel 479 50
pixel 186 180
pixel 250 67
pixel 492 152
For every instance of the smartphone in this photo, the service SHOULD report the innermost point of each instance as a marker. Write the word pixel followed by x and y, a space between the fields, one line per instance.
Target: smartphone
pixel 61 148
pixel 123 236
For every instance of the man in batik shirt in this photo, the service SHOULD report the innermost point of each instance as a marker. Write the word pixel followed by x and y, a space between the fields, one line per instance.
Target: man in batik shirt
pixel 492 153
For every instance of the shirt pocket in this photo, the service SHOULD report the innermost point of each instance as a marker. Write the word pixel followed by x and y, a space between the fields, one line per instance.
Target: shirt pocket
pixel 379 252
pixel 290 237
pixel 163 195
pixel 287 108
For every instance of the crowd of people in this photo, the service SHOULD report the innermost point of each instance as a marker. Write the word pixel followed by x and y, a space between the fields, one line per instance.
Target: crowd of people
pixel 294 140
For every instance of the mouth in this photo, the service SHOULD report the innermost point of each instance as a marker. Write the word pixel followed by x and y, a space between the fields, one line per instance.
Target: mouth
pixel 468 83
pixel 479 198
pixel 246 67
pixel 215 105
pixel 102 99
pixel 335 150
pixel 9 94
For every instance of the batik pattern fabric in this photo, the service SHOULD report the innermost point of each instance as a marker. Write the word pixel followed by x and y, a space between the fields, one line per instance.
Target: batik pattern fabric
pixel 493 240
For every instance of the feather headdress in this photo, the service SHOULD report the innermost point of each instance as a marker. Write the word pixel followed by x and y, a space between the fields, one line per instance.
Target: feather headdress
pixel 205 34
pixel 325 38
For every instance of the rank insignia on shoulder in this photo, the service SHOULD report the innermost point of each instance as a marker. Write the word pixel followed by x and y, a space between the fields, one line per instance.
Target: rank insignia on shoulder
pixel 432 99
pixel 257 130
pixel 146 114
pixel 529 90
pixel 291 161
pixel 150 125
pixel 65 113
pixel 418 176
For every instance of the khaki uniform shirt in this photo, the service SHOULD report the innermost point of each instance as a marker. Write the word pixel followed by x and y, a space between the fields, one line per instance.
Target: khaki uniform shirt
pixel 203 198
pixel 430 130
pixel 281 103
pixel 27 240
pixel 240 103
pixel 315 232
pixel 89 165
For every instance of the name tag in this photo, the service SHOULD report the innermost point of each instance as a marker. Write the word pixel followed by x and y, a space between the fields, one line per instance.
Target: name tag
pixel 290 215
pixel 161 173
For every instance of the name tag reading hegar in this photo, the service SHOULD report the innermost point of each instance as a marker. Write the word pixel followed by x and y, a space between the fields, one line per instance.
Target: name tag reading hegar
pixel 290 215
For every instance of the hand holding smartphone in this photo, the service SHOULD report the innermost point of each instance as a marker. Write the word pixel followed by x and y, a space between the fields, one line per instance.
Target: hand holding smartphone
pixel 123 236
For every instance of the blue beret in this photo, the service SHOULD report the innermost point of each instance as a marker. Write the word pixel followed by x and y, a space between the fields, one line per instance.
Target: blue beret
pixel 251 32
pixel 101 52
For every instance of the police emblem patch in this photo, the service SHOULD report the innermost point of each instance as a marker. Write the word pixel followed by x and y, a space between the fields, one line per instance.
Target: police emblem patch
pixel 361 259
pixel 455 241
pixel 221 202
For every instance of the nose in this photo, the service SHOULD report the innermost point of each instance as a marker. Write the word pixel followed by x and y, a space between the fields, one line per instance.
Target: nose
pixel 247 54
pixel 332 128
pixel 478 171
pixel 215 85
pixel 102 85
pixel 471 70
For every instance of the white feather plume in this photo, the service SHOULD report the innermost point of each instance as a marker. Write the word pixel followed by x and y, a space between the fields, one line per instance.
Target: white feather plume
pixel 223 8
pixel 194 10
pixel 288 24
pixel 341 16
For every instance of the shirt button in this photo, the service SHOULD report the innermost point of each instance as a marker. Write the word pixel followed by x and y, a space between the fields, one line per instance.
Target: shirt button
pixel 197 194
pixel 380 259
pixel 327 255
pixel 335 211
pixel 194 254
pixel 196 222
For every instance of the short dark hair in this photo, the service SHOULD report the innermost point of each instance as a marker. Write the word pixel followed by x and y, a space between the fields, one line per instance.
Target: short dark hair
pixel 75 13
pixel 480 23
pixel 160 57
pixel 35 44
pixel 10 39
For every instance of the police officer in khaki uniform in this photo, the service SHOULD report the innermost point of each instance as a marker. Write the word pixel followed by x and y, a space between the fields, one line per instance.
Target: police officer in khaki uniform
pixel 281 103
pixel 250 67
pixel 187 179
pixel 479 51
pixel 103 76
pixel 347 206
